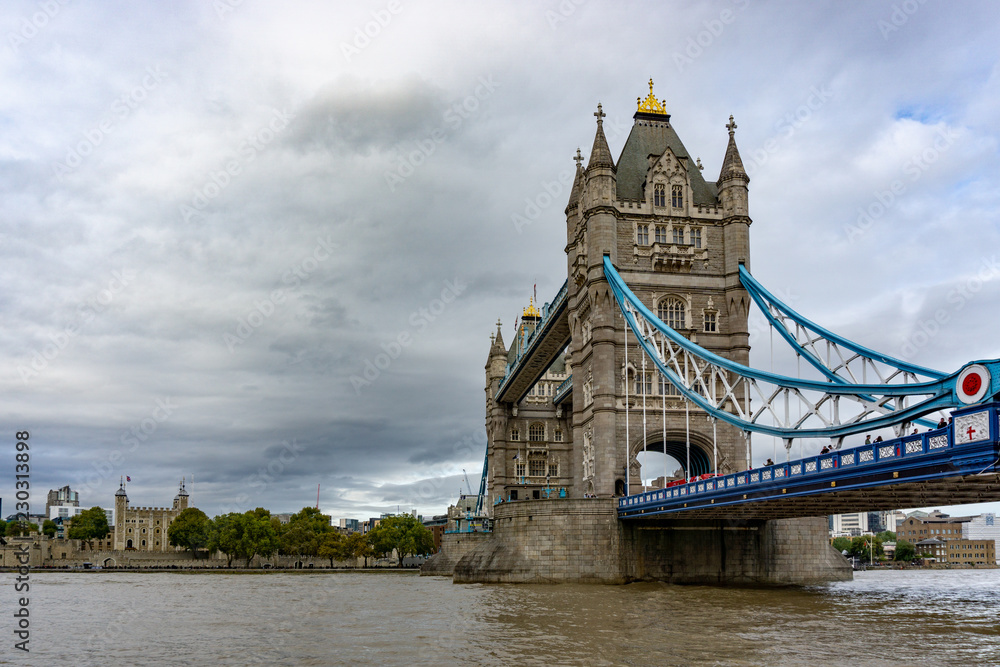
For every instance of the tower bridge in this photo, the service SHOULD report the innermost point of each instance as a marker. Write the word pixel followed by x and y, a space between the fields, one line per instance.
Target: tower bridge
pixel 646 348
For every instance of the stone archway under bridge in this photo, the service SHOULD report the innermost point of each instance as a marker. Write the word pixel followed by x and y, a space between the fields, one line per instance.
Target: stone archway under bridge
pixel 702 460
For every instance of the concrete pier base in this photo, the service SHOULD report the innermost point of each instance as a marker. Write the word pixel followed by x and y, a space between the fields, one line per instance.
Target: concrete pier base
pixel 582 540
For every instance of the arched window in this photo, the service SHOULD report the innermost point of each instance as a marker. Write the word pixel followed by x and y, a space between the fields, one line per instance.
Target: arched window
pixel 515 435
pixel 671 312
pixel 536 432
pixel 659 195
pixel 677 196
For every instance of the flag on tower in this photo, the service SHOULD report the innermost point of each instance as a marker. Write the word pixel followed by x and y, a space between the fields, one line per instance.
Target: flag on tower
pixel 127 478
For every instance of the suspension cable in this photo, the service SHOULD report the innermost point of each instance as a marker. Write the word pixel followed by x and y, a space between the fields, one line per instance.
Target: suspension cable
pixel 626 407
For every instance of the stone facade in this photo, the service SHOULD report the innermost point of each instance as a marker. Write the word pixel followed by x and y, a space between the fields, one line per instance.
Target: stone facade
pixel 144 528
pixel 678 241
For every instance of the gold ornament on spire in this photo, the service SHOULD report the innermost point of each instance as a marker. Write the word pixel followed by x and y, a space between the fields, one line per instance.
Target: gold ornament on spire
pixel 650 104
pixel 531 310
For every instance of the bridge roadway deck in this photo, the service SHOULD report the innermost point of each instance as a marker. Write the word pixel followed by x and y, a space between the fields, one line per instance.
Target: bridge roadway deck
pixel 541 347
pixel 954 465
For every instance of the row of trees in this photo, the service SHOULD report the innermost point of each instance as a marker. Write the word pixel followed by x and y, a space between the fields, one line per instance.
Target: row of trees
pixel 868 546
pixel 89 525
pixel 240 537
pixel 308 533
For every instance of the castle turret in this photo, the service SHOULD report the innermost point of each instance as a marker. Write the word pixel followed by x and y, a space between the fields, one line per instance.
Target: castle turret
pixel 181 499
pixel 121 504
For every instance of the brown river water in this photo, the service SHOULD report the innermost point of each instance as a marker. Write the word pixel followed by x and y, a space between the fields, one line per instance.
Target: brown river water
pixel 881 618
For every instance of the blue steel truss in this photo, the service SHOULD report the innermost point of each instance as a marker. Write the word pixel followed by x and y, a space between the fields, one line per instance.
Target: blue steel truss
pixel 764 402
pixel 968 448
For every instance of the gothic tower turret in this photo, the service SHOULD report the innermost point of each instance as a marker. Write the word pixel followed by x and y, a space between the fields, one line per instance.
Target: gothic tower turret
pixel 121 504
pixel 181 499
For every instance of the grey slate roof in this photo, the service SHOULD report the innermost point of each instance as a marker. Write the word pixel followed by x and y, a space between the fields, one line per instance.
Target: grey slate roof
pixel 653 137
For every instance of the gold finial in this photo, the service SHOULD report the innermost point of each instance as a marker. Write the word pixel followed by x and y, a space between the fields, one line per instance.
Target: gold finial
pixel 531 310
pixel 651 105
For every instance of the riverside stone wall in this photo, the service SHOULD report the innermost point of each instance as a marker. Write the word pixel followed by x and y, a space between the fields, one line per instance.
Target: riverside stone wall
pixel 453 547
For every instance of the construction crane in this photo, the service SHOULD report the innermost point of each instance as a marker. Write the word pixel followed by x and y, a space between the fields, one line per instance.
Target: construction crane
pixel 467 485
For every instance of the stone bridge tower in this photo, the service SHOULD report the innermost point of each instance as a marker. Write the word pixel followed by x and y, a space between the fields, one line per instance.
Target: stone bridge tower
pixel 678 242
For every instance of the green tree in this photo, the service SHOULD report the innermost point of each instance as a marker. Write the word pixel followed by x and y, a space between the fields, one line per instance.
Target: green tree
pixel 359 546
pixel 863 548
pixel 3 528
pixel 224 535
pixel 258 535
pixel 842 544
pixel 21 528
pixel 904 551
pixel 89 525
pixel 404 534
pixel 191 530
pixel 49 528
pixel 333 546
pixel 887 536
pixel 299 540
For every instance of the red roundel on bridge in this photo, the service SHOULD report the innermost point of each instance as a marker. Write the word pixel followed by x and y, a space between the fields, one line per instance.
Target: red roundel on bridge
pixel 973 384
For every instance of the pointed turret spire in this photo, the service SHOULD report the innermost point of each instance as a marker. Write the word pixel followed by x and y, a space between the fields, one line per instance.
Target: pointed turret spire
pixel 574 195
pixel 498 345
pixel 732 165
pixel 600 154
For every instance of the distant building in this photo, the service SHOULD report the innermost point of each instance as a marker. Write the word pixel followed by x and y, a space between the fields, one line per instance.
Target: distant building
pixel 350 525
pixel 67 512
pixel 145 528
pixel 436 525
pixel 982 527
pixel 64 497
pixel 971 552
pixel 933 526
pixel 283 517
pixel 849 525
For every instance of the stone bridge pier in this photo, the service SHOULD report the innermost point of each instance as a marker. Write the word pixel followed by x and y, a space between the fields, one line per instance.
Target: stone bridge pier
pixel 583 541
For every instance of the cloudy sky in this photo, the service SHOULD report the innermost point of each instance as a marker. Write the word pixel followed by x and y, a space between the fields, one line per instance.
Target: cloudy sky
pixel 216 216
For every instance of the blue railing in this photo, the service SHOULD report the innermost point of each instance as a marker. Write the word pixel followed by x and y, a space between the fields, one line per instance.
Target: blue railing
pixel 856 461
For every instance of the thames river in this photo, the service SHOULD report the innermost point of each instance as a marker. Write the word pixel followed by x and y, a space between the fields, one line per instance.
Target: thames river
pixel 881 618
